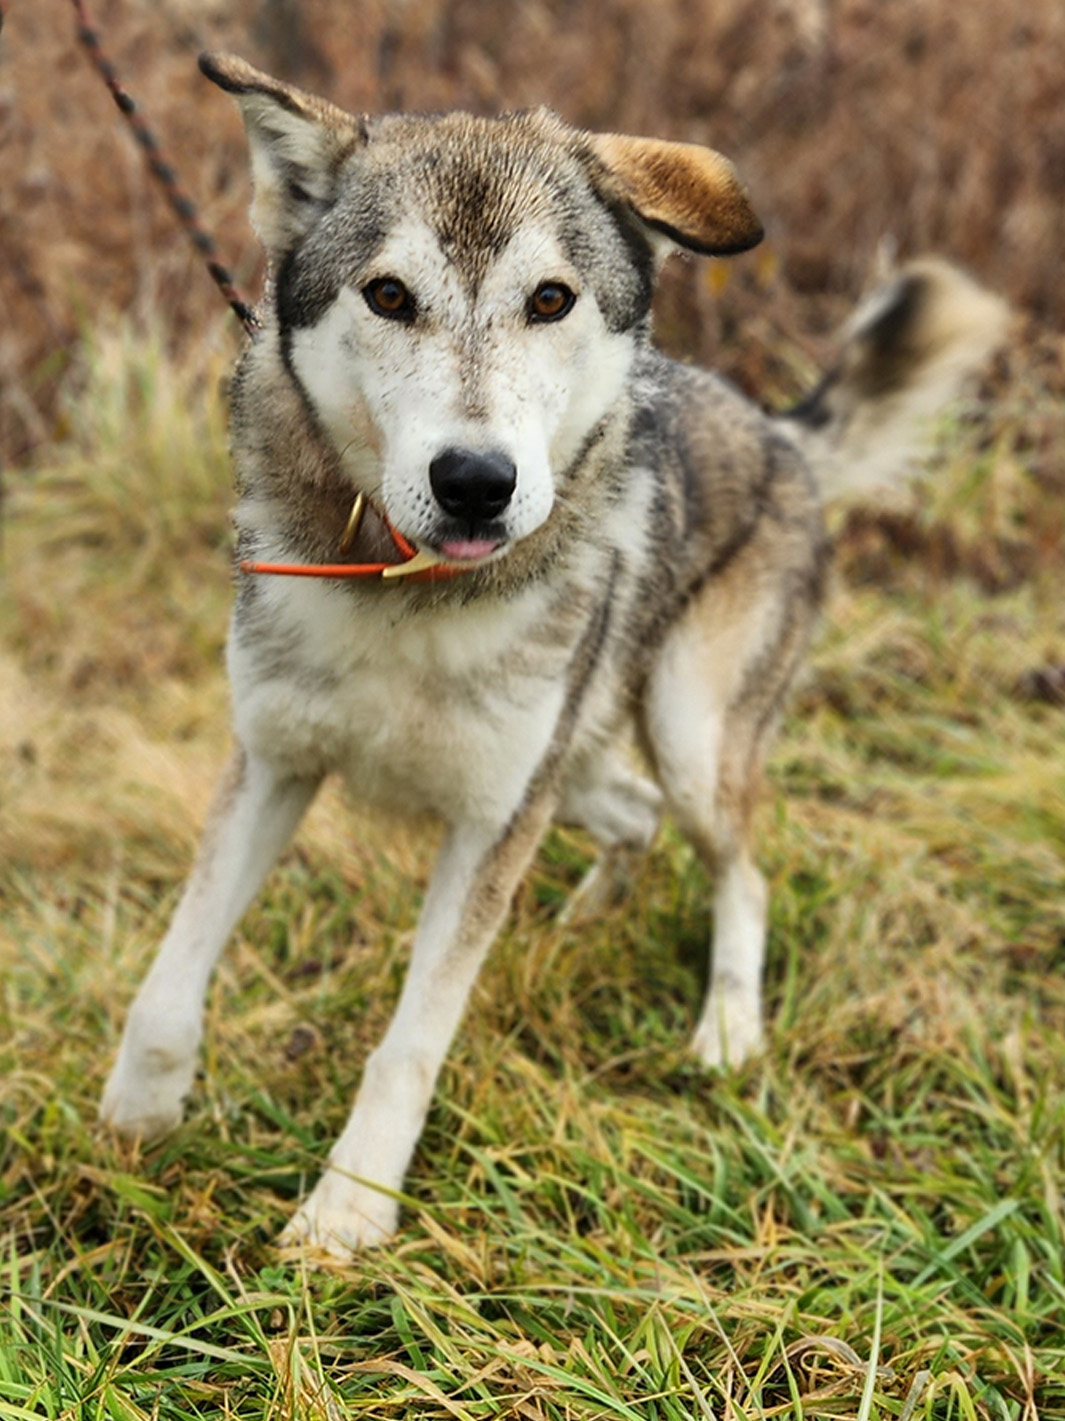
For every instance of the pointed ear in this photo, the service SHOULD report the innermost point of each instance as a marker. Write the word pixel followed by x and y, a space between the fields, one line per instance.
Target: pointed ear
pixel 690 193
pixel 297 144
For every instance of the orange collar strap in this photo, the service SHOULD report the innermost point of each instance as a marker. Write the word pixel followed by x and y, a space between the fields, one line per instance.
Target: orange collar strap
pixel 412 564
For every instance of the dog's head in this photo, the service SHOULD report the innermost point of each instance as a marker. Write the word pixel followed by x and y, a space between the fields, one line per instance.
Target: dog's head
pixel 457 296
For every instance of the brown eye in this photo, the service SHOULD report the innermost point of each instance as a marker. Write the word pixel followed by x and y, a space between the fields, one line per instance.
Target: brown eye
pixel 550 301
pixel 388 297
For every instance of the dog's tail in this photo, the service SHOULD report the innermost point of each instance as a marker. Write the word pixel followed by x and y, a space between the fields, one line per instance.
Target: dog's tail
pixel 905 354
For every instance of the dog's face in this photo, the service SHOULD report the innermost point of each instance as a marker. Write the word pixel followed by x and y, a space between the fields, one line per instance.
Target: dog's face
pixel 457 297
pixel 462 316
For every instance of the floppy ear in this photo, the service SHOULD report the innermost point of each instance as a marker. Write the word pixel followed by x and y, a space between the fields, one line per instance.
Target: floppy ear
pixel 690 193
pixel 297 144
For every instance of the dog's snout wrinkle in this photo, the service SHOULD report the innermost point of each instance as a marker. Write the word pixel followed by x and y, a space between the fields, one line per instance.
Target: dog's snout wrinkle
pixel 475 487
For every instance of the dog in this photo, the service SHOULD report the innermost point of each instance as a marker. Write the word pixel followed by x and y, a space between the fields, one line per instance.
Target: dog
pixel 515 537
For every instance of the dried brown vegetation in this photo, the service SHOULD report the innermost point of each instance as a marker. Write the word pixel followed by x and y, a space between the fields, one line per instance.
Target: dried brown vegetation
pixel 932 125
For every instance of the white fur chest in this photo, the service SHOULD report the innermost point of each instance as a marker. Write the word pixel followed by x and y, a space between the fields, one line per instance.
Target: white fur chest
pixel 447 711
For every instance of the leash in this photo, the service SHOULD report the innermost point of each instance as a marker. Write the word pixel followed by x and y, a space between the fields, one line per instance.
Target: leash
pixel 181 204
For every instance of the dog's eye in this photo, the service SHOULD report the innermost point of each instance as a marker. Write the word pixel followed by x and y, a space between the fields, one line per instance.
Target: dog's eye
pixel 388 297
pixel 550 302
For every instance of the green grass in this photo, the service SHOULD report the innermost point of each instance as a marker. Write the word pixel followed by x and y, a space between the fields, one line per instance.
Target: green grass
pixel 866 1223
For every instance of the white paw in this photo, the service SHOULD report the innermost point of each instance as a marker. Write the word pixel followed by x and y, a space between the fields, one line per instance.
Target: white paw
pixel 339 1217
pixel 729 1030
pixel 145 1093
pixel 141 1114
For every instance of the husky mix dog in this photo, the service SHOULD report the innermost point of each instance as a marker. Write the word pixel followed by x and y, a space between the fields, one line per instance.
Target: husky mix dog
pixel 526 539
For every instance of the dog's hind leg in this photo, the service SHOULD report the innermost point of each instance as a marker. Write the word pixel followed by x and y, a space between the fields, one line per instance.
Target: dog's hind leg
pixel 254 813
pixel 711 702
pixel 354 1203
pixel 620 809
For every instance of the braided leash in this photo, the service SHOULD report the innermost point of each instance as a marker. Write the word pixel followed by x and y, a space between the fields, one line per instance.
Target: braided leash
pixel 181 204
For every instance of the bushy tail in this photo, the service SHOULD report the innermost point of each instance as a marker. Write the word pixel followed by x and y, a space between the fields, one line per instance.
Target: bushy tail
pixel 905 354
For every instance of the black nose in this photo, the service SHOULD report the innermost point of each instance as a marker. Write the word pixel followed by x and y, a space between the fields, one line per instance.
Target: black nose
pixel 475 487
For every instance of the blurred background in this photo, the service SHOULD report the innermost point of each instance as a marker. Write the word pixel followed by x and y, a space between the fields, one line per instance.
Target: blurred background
pixel 918 125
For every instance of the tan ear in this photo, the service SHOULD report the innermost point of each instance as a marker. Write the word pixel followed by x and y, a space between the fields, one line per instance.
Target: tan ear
pixel 690 193
pixel 297 143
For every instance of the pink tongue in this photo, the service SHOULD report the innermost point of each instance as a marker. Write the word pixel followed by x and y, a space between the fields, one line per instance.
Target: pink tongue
pixel 468 549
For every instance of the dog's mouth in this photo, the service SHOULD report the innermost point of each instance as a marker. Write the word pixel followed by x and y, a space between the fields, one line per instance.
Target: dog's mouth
pixel 468 549
pixel 468 541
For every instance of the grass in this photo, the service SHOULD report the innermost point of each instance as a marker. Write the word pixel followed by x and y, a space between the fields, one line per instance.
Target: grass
pixel 866 1223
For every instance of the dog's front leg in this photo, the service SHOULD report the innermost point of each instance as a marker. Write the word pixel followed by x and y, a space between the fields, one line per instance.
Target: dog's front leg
pixel 255 810
pixel 475 878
